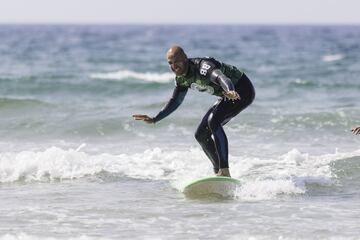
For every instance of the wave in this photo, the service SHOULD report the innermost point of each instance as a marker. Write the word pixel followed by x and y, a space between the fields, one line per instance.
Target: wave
pixel 261 179
pixel 302 82
pixel 56 164
pixel 127 74
pixel 332 57
pixel 293 173
pixel 24 236
pixel 21 103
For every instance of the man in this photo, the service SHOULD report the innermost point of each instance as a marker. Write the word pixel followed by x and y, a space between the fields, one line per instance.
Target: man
pixel 208 75
pixel 356 130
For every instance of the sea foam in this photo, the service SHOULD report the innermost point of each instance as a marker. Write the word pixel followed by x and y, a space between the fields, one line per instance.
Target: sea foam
pixel 332 57
pixel 261 178
pixel 24 236
pixel 127 74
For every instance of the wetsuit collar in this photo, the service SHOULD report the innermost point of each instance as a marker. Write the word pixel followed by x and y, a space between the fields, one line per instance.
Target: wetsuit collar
pixel 188 70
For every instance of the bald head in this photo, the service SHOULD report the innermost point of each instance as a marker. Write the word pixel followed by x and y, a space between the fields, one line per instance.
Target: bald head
pixel 177 60
pixel 175 51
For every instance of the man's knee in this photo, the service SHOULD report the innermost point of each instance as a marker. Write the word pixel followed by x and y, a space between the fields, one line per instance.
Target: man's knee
pixel 199 135
pixel 202 134
pixel 212 122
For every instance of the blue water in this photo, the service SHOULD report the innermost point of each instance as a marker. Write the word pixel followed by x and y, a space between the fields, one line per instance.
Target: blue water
pixel 74 164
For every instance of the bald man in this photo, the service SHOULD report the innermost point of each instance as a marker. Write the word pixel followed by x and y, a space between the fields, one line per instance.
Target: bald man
pixel 231 85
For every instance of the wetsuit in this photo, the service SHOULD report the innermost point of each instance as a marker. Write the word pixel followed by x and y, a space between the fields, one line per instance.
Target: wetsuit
pixel 214 77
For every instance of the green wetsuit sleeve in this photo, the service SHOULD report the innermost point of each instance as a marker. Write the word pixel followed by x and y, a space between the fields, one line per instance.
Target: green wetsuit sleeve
pixel 174 102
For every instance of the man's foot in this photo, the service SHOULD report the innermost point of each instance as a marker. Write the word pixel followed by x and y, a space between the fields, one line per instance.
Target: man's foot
pixel 223 172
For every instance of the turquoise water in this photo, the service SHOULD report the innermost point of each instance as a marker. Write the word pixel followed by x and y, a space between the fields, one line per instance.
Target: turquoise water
pixel 74 164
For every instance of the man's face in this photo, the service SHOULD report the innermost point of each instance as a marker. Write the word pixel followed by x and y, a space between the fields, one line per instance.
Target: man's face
pixel 178 63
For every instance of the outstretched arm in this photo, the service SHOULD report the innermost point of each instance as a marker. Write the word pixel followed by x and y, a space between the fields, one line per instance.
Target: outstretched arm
pixel 174 102
pixel 219 78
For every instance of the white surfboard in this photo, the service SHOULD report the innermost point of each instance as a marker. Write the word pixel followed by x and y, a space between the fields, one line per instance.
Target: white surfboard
pixel 222 187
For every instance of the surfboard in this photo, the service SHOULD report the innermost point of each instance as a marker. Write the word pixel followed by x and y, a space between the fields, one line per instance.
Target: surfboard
pixel 219 187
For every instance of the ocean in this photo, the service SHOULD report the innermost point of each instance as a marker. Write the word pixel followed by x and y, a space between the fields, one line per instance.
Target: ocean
pixel 75 165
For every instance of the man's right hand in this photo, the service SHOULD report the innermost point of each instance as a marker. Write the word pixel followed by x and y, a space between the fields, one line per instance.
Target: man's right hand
pixel 144 118
pixel 356 130
pixel 232 95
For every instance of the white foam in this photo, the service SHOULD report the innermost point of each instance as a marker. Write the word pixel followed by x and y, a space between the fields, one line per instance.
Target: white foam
pixel 301 81
pixel 24 236
pixel 332 57
pixel 289 174
pixel 127 74
pixel 261 178
pixel 267 189
pixel 57 164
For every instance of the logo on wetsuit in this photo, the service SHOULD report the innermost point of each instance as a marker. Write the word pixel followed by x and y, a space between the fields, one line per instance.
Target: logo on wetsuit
pixel 204 69
pixel 202 88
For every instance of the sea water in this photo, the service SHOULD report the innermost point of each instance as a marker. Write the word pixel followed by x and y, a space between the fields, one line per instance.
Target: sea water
pixel 75 165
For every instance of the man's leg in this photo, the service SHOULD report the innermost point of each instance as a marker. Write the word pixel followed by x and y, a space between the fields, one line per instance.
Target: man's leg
pixel 220 142
pixel 220 115
pixel 203 136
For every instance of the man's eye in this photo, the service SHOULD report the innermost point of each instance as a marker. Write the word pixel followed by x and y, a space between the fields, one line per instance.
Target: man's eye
pixel 170 63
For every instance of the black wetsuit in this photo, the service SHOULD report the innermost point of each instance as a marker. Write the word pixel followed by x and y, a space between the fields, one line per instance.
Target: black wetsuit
pixel 211 76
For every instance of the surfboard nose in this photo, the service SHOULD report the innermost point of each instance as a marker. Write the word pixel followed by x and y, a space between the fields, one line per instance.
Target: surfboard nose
pixel 218 187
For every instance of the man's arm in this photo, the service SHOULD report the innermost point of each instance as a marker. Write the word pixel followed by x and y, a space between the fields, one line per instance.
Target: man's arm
pixel 174 102
pixel 219 78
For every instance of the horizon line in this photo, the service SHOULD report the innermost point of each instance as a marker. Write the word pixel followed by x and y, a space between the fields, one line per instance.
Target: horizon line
pixel 183 24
